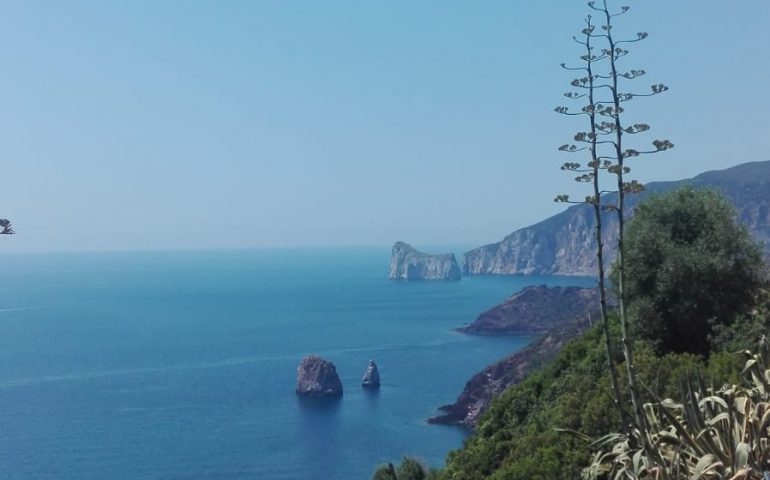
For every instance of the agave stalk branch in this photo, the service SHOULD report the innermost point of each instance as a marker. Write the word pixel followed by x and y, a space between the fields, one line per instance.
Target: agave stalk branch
pixel 597 207
pixel 626 341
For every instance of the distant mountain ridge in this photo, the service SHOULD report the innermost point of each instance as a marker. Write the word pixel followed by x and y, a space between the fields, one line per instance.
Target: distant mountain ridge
pixel 564 245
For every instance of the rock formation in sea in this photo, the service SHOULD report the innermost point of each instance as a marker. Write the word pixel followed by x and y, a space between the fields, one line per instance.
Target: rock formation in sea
pixel 564 244
pixel 407 263
pixel 5 227
pixel 535 309
pixel 371 376
pixel 482 387
pixel 317 377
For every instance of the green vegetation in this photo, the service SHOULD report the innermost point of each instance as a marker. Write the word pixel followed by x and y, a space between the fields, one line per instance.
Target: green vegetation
pixel 522 435
pixel 408 469
pixel 711 434
pixel 690 267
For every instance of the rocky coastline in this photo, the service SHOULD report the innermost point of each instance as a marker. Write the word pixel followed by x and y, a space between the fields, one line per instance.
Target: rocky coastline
pixel 494 379
pixel 535 310
pixel 564 243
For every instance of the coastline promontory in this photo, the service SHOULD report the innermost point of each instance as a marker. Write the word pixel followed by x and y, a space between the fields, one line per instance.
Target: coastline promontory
pixel 535 310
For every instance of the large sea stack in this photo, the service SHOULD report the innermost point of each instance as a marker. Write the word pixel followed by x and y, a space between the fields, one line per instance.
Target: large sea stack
pixel 317 377
pixel 407 263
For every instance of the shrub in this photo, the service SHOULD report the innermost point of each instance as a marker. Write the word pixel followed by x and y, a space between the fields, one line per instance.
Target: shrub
pixel 690 267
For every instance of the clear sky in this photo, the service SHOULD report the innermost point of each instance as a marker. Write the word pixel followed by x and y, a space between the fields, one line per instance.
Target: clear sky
pixel 190 124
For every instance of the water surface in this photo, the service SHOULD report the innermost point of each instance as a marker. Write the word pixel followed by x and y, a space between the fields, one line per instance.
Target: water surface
pixel 181 365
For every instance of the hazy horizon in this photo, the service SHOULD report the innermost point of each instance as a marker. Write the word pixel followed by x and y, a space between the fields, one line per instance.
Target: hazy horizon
pixel 199 125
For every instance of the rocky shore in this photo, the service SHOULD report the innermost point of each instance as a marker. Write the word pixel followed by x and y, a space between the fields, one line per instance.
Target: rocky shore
pixel 535 309
pixel 494 379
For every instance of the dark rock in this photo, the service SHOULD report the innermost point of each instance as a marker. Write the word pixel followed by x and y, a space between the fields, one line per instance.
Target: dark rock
pixel 564 243
pixel 318 378
pixel 371 376
pixel 407 263
pixel 535 309
pixel 482 387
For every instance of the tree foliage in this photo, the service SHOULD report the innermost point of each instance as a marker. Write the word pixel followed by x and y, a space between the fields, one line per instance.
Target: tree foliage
pixel 689 267
pixel 408 469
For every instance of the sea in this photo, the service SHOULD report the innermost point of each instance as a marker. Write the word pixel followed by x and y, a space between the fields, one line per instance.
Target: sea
pixel 182 365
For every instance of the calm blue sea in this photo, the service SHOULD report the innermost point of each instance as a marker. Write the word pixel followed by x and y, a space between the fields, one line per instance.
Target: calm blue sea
pixel 181 365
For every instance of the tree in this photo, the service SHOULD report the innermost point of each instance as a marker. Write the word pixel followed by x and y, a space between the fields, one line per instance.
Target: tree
pixel 605 141
pixel 408 469
pixel 385 472
pixel 689 267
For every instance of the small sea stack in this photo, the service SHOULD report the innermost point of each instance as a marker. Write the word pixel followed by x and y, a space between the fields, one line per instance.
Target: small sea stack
pixel 371 376
pixel 317 377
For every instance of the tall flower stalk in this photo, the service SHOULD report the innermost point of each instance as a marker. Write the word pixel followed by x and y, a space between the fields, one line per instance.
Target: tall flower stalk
pixel 605 141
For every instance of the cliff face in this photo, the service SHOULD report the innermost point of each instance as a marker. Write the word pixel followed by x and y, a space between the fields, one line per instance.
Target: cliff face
pixel 407 263
pixel 564 244
pixel 535 309
pixel 491 381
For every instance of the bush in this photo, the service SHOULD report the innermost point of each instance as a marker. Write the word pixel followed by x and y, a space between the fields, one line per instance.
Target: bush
pixel 409 469
pixel 690 267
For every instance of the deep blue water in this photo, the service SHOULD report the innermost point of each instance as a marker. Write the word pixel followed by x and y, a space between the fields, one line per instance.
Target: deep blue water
pixel 182 365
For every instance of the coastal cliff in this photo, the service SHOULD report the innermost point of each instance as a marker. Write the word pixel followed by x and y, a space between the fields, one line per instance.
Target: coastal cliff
pixel 564 244
pixel 407 263
pixel 535 309
pixel 482 387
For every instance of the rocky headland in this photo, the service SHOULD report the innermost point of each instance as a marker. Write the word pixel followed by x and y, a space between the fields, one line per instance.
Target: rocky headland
pixel 491 381
pixel 408 263
pixel 317 377
pixel 564 244
pixel 535 309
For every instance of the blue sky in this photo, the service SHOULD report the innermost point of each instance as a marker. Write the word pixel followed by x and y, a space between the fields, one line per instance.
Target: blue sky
pixel 190 124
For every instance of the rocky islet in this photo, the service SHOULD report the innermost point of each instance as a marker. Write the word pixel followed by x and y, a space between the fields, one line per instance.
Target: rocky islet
pixel 317 377
pixel 408 263
pixel 371 378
